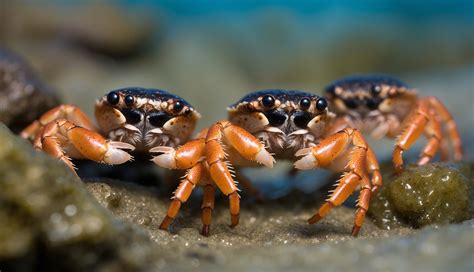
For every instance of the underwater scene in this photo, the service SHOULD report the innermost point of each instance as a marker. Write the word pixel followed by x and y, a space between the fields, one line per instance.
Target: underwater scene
pixel 236 135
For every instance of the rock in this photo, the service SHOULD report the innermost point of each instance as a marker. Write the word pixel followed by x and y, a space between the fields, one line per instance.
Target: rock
pixel 436 193
pixel 23 97
pixel 275 237
pixel 54 224
pixel 448 248
pixel 104 29
pixel 272 222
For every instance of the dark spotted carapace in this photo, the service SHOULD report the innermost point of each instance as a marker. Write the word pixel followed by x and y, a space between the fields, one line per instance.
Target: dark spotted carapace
pixel 279 106
pixel 133 106
pixel 364 91
pixel 284 95
pixel 153 94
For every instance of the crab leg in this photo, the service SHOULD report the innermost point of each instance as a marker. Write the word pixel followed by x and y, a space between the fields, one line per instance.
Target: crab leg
pixel 444 150
pixel 323 154
pixel 50 144
pixel 246 144
pixel 451 126
pixel 416 123
pixel 183 157
pixel 362 204
pixel 434 135
pixel 207 207
pixel 372 164
pixel 426 118
pixel 182 194
pixel 443 143
pixel 65 111
pixel 220 172
pixel 374 170
pixel 91 145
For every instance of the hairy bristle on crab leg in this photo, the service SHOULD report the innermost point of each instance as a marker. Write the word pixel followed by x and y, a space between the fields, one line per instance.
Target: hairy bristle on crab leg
pixel 246 144
pixel 324 153
pixel 65 111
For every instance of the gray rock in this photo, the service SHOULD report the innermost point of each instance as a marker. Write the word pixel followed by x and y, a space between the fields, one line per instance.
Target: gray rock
pixel 445 249
pixel 50 222
pixel 104 29
pixel 275 237
pixel 23 97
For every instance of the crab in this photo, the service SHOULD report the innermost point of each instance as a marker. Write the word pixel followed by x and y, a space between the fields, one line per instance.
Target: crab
pixel 129 119
pixel 290 125
pixel 386 107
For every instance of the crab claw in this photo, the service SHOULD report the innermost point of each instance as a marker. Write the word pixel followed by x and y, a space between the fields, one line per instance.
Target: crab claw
pixel 167 159
pixel 115 154
pixel 265 158
pixel 308 161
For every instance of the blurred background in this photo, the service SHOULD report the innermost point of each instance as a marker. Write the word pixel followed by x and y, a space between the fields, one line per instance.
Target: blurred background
pixel 213 52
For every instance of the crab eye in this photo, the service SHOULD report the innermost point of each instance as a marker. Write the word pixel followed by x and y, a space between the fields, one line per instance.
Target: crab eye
pixel 372 104
pixel 351 103
pixel 113 98
pixel 375 89
pixel 321 104
pixel 178 106
pixel 129 100
pixel 268 101
pixel 305 103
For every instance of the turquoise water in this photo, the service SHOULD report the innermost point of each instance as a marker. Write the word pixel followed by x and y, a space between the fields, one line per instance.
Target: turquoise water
pixel 413 10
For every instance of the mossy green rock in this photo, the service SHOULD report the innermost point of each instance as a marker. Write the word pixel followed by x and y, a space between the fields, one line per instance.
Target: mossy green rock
pixel 437 193
pixel 48 220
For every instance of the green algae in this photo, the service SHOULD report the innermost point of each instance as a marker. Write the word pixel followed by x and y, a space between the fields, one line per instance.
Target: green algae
pixel 436 193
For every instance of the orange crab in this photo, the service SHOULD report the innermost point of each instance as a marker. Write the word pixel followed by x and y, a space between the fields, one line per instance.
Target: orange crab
pixel 292 125
pixel 385 106
pixel 129 119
